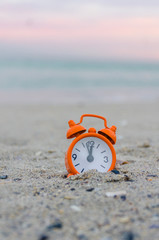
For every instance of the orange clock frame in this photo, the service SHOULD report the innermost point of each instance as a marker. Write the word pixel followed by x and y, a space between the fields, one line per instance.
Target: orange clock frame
pixel 68 157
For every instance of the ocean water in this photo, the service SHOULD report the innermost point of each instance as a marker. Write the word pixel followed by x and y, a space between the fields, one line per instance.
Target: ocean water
pixel 83 80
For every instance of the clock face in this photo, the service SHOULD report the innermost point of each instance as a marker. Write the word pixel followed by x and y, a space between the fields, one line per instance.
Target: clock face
pixel 91 153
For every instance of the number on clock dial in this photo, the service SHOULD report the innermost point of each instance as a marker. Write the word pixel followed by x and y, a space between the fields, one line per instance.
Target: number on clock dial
pixel 74 156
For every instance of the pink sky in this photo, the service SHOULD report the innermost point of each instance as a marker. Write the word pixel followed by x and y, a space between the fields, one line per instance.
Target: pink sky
pixel 88 29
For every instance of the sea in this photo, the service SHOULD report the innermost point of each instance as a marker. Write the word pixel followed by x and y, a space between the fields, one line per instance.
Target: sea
pixel 77 81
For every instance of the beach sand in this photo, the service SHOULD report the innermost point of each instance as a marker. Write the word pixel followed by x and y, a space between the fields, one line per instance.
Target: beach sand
pixel 38 202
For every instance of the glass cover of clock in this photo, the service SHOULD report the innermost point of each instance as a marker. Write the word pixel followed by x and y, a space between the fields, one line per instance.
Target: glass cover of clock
pixel 91 153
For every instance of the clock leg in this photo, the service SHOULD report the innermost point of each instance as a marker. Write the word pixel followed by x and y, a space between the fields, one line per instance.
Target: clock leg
pixel 70 174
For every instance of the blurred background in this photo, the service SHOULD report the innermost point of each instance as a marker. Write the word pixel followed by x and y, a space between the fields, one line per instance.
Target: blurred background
pixel 57 51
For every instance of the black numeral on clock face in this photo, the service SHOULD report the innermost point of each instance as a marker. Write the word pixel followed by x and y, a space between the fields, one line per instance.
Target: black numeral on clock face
pixel 74 156
pixel 105 159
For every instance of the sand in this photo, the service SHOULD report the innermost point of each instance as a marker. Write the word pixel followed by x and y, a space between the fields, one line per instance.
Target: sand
pixel 37 201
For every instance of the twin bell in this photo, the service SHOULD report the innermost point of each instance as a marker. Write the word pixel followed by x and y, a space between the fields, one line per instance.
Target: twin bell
pixel 76 129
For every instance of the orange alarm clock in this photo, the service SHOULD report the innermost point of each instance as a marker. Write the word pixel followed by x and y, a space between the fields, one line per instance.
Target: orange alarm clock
pixel 90 150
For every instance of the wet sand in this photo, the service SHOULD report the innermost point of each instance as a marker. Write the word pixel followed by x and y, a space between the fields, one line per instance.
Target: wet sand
pixel 37 201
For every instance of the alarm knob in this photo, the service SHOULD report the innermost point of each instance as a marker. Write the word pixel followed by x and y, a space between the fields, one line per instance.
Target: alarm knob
pixel 92 130
pixel 71 123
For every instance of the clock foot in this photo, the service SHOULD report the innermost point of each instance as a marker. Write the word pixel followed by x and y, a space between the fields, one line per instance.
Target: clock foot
pixel 70 174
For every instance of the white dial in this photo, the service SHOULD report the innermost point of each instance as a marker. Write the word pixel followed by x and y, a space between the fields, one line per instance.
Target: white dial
pixel 91 153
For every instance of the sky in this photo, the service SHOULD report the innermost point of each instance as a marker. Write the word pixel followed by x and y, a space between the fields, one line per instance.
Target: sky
pixel 93 29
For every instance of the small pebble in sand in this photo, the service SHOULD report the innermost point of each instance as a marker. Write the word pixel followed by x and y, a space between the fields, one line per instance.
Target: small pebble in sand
pixel 151 175
pixel 56 225
pixel 61 211
pixel 121 162
pixel 69 197
pixel 38 153
pixel 115 194
pixel 17 179
pixel 155 206
pixel 89 189
pixel 115 171
pixel 36 194
pixel 44 237
pixel 149 179
pixel 4 177
pixel 155 217
pixel 149 195
pixel 124 220
pixel 75 208
pixel 154 226
pixel 123 197
pixel 144 145
pixel 51 151
pixel 82 237
pixel 127 178
pixel 128 236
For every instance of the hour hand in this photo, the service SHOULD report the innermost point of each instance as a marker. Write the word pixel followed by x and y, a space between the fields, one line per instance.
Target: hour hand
pixel 90 145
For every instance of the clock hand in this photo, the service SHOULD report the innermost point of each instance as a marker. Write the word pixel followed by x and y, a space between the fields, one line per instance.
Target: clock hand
pixel 89 144
pixel 90 157
pixel 88 147
pixel 91 147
